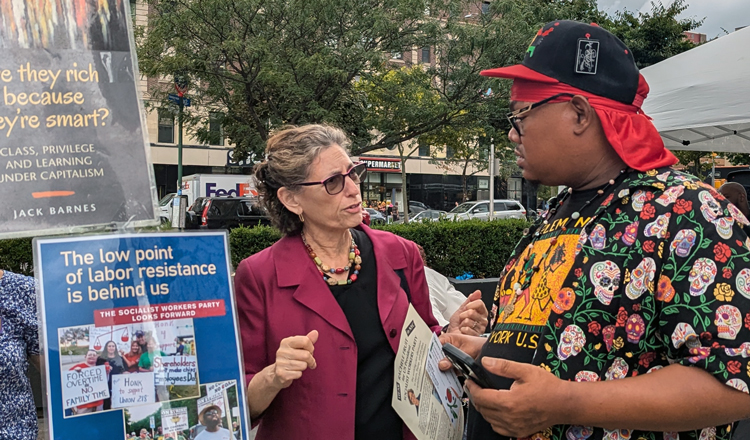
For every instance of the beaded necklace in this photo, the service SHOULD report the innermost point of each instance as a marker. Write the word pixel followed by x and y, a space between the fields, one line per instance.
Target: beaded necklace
pixel 355 260
pixel 529 268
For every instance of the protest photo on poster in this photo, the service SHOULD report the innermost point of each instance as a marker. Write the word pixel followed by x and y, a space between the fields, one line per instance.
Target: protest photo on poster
pixel 111 350
pixel 119 334
pixel 175 337
pixel 174 420
pixel 216 413
pixel 161 377
pixel 72 124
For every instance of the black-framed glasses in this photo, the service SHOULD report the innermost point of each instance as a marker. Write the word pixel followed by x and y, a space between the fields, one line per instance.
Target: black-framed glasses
pixel 335 184
pixel 515 117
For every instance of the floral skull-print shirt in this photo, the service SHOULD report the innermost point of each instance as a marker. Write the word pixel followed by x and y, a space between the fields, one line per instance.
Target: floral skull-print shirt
pixel 660 275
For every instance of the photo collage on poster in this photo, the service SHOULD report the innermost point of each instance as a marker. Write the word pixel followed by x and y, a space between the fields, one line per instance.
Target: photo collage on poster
pixel 150 372
pixel 113 367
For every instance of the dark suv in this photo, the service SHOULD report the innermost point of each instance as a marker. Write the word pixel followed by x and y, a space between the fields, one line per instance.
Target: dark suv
pixel 225 213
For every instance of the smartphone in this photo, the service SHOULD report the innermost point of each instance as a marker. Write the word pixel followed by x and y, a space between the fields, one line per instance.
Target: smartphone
pixel 468 366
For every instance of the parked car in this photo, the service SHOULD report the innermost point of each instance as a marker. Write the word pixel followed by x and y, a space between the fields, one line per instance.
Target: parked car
pixel 225 213
pixel 376 217
pixel 432 215
pixel 481 210
pixel 416 207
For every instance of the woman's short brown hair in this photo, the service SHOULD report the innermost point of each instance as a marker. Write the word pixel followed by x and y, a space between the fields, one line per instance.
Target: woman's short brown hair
pixel 289 155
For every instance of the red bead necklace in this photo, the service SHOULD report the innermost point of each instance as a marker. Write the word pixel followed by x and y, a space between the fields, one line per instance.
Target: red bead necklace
pixel 354 260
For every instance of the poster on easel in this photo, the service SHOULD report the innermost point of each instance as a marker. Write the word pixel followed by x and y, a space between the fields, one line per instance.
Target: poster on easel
pixel 74 151
pixel 140 327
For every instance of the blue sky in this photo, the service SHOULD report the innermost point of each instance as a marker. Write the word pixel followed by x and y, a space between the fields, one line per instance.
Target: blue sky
pixel 718 14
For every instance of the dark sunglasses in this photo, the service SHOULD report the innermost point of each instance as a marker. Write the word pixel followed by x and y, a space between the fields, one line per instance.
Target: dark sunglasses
pixel 515 117
pixel 335 184
pixel 211 412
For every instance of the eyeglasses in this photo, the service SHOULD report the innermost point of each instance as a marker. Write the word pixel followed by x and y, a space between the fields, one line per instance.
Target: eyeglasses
pixel 211 412
pixel 515 117
pixel 335 184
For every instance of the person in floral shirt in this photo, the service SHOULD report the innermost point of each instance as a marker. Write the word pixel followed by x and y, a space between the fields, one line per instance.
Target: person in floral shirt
pixel 625 311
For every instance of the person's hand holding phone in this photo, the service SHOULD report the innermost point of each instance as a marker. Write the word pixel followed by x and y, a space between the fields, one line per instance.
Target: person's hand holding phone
pixel 470 345
pixel 468 367
pixel 519 412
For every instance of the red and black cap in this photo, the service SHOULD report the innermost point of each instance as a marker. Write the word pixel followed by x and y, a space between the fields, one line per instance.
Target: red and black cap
pixel 581 55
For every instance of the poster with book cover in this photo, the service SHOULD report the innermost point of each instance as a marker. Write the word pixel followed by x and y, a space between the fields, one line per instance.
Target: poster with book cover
pixel 74 150
pixel 139 333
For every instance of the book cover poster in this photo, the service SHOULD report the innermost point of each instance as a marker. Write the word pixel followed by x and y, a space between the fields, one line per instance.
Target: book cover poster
pixel 73 145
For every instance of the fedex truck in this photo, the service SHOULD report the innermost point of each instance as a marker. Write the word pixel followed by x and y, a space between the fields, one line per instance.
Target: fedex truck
pixel 218 185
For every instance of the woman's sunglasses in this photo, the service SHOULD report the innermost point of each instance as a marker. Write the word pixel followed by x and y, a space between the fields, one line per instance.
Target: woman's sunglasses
pixel 335 184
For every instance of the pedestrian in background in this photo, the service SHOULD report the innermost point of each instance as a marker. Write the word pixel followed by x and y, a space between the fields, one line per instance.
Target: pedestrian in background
pixel 19 346
pixel 737 195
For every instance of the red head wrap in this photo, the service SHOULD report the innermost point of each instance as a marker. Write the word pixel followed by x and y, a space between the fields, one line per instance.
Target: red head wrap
pixel 627 128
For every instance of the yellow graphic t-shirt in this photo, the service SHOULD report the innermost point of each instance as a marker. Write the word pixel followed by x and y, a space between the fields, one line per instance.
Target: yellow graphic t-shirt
pixel 541 269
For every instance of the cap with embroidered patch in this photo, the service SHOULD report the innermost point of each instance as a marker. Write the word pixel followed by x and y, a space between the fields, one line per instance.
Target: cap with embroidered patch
pixel 581 55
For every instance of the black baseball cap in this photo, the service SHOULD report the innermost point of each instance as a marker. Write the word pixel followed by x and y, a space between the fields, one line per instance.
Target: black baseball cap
pixel 583 56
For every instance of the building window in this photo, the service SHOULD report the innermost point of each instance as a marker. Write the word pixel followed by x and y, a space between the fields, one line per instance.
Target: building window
pixel 166 127
pixel 397 56
pixel 215 132
pixel 449 153
pixel 485 7
pixel 426 55
pixel 515 188
pixel 132 10
pixel 424 148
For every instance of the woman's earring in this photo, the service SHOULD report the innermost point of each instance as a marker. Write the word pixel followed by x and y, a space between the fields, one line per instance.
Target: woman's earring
pixel 301 218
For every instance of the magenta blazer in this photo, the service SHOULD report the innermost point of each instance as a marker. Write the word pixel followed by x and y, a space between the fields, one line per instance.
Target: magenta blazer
pixel 280 293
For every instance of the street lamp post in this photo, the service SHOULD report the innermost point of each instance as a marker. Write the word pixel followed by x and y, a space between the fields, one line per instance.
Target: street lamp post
pixel 181 85
pixel 492 181
pixel 179 146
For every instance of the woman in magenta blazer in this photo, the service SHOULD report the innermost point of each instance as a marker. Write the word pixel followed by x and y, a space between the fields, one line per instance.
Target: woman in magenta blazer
pixel 321 311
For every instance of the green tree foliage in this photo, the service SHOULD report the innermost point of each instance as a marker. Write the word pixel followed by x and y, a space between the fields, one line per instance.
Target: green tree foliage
pixel 654 36
pixel 468 147
pixel 266 63
pixel 693 164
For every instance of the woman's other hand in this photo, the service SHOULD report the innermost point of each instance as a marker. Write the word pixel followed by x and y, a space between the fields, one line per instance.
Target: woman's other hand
pixel 295 355
pixel 471 317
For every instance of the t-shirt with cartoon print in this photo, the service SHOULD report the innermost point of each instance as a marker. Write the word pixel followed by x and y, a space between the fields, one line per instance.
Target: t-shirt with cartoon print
pixel 517 332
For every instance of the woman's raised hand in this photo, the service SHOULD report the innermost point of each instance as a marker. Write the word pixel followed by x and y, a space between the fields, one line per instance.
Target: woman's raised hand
pixel 295 355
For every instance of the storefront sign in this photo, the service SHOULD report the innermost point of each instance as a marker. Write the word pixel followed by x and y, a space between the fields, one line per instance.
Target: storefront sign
pixel 378 165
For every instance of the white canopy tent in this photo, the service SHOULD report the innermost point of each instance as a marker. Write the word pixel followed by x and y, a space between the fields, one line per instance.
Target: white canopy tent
pixel 700 99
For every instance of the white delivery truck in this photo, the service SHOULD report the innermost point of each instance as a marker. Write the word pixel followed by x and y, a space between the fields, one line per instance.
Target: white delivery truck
pixel 218 185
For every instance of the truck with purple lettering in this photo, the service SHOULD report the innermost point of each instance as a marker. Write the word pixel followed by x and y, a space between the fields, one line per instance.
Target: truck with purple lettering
pixel 218 185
